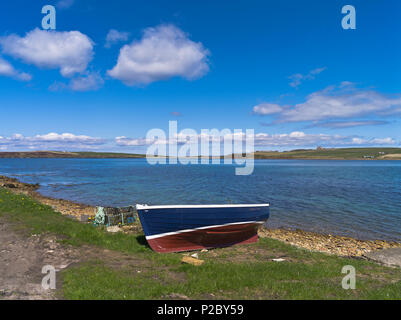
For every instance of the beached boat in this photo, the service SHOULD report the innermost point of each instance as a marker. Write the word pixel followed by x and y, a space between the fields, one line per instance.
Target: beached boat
pixel 173 228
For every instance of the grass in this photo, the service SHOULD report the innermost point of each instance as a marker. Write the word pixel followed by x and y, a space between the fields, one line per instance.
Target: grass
pixel 333 153
pixel 239 272
pixel 109 155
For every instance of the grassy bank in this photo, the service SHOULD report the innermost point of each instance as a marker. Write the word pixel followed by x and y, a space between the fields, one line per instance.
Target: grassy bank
pixel 240 272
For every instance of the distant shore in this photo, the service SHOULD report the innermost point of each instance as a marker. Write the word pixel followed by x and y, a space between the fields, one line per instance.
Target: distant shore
pixel 299 154
pixel 69 155
pixel 332 244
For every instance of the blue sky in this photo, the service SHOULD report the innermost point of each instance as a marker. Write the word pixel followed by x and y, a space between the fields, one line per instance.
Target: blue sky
pixel 286 69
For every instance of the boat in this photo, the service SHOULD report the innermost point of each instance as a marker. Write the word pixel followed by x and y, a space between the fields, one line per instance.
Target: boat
pixel 174 228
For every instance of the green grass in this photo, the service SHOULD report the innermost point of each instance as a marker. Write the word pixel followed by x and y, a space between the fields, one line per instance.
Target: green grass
pixel 239 272
pixel 109 155
pixel 257 280
pixel 335 153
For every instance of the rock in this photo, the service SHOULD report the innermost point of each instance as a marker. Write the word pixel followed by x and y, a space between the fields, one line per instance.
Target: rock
pixel 339 245
pixel 113 229
pixel 195 255
pixel 10 185
pixel 177 296
pixel 191 260
pixel 84 218
pixel 204 250
pixel 278 260
pixel 5 293
pixel 390 257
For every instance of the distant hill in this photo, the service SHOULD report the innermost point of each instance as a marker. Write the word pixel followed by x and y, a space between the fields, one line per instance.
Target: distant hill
pixel 60 154
pixel 318 154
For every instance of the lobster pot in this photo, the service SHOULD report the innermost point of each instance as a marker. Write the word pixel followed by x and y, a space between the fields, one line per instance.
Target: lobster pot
pixel 110 216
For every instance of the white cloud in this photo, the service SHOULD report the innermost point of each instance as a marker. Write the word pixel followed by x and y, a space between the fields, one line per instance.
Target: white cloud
pixel 179 138
pixel 387 140
pixel 58 86
pixel 288 140
pixel 267 108
pixel 114 36
pixel 301 139
pixel 124 141
pixel 90 81
pixel 334 102
pixel 64 4
pixel 375 141
pixel 297 79
pixel 65 137
pixel 50 141
pixel 6 69
pixel 163 52
pixel 348 124
pixel 69 51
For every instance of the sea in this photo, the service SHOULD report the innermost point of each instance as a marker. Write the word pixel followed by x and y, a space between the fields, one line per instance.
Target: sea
pixel 361 199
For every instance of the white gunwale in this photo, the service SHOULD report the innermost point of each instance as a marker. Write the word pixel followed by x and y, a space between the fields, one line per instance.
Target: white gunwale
pixel 186 206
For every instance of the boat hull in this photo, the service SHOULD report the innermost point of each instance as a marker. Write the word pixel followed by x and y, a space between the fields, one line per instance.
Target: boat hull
pixel 174 228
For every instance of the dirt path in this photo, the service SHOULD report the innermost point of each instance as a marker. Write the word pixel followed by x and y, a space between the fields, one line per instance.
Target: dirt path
pixel 22 258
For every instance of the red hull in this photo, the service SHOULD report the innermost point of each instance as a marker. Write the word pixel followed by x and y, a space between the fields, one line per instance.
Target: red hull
pixel 215 237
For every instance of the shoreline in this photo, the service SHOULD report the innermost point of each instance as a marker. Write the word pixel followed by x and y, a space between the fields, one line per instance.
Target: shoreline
pixel 221 158
pixel 327 243
pixel 65 207
pixel 353 154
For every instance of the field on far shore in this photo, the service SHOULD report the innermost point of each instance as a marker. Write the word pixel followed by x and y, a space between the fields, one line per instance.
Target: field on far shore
pixel 334 154
pixel 312 154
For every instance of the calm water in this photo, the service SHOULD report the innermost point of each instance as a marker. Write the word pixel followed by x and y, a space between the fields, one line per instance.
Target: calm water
pixel 356 198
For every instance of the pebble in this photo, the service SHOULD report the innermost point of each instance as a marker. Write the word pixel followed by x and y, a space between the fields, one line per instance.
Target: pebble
pixel 191 260
pixel 278 260
pixel 338 245
pixel 113 229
